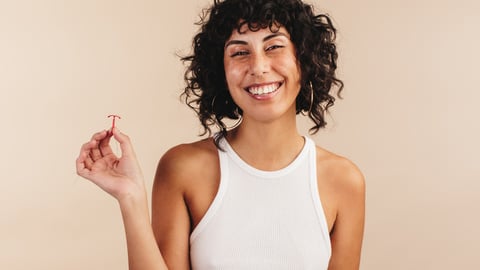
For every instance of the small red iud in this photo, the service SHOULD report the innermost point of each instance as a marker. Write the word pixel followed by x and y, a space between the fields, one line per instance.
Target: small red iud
pixel 114 116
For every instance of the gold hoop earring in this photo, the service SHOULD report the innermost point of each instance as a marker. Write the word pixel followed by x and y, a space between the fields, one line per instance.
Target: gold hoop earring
pixel 305 112
pixel 213 103
pixel 239 121
pixel 311 97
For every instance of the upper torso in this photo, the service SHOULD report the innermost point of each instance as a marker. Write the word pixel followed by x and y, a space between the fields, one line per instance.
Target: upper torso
pixel 263 219
pixel 201 191
pixel 197 185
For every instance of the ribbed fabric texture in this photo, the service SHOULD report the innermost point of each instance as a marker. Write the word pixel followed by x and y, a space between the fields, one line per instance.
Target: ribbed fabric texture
pixel 263 219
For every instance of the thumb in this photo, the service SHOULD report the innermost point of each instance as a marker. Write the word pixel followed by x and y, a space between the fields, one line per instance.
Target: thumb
pixel 125 143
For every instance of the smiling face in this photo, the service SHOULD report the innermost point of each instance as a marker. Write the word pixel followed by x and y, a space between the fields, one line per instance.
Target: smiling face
pixel 262 72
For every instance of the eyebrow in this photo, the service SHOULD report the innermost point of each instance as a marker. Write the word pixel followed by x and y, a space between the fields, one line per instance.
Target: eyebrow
pixel 241 42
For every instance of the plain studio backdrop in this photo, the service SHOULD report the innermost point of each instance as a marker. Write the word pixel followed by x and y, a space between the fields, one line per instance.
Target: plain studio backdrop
pixel 408 120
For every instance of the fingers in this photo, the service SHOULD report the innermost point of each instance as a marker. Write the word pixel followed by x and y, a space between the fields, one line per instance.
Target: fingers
pixel 98 150
pixel 95 152
pixel 84 162
pixel 125 144
pixel 92 151
pixel 104 145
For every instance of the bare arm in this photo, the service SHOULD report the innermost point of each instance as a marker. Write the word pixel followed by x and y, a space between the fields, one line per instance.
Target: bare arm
pixel 170 216
pixel 143 252
pixel 122 178
pixel 347 233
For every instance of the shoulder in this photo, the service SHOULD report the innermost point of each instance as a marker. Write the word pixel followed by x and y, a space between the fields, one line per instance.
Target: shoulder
pixel 181 161
pixel 343 187
pixel 339 173
pixel 190 153
pixel 181 171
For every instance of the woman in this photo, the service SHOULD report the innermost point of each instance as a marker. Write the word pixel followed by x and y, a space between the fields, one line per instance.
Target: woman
pixel 259 195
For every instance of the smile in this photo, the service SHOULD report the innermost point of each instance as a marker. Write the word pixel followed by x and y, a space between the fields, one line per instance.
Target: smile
pixel 264 89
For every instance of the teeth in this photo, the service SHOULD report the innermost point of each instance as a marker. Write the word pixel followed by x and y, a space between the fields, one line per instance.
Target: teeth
pixel 265 89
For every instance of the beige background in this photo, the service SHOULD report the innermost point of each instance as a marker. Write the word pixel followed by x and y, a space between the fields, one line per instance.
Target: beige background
pixel 409 120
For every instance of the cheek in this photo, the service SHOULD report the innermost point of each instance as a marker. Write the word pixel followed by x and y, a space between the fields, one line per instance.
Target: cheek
pixel 288 65
pixel 233 72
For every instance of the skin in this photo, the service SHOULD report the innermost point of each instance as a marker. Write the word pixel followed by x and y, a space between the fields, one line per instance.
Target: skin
pixel 122 178
pixel 267 139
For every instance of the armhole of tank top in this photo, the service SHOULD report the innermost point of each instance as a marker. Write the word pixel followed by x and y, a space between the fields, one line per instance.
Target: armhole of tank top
pixel 316 198
pixel 213 208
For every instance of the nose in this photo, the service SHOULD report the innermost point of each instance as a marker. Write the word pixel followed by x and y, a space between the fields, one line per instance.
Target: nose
pixel 259 64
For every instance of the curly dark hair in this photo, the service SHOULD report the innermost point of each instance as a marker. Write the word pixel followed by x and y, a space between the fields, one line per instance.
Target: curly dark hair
pixel 313 36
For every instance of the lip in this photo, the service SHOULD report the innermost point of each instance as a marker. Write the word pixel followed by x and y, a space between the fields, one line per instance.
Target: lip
pixel 264 96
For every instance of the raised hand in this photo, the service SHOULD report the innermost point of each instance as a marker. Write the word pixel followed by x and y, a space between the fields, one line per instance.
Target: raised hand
pixel 121 176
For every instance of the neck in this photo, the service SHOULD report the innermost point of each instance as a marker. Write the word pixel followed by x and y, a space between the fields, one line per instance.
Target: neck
pixel 266 146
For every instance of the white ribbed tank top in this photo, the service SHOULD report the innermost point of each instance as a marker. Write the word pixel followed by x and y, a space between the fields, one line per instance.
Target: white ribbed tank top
pixel 263 219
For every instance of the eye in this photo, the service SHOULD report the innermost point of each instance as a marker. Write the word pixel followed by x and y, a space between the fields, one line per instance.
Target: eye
pixel 273 47
pixel 238 53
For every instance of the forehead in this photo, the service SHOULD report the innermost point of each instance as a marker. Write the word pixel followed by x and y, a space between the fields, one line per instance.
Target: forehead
pixel 247 31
